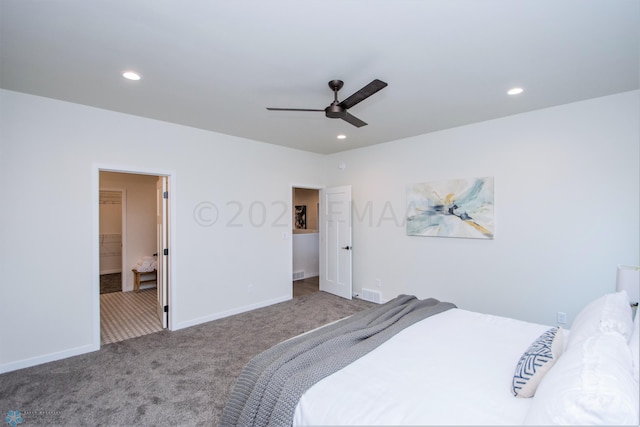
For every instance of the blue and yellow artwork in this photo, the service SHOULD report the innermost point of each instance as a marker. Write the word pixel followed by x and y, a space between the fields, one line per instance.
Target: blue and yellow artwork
pixel 452 208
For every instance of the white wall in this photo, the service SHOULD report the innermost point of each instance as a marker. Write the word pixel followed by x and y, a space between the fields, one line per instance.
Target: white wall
pixel 566 201
pixel 140 201
pixel 306 254
pixel 50 155
pixel 567 211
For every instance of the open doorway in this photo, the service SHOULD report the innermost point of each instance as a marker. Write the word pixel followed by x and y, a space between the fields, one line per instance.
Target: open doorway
pixel 131 310
pixel 305 235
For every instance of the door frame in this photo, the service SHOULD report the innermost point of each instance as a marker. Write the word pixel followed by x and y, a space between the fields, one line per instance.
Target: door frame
pixel 95 234
pixel 291 189
pixel 162 244
pixel 290 231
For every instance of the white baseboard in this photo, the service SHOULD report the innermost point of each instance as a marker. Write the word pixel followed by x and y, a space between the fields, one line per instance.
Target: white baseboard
pixel 51 357
pixel 112 271
pixel 228 313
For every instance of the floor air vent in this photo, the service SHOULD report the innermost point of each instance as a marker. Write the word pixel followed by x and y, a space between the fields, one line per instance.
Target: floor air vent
pixel 370 295
pixel 298 275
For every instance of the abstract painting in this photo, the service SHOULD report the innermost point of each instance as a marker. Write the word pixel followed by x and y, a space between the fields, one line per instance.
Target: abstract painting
pixel 453 208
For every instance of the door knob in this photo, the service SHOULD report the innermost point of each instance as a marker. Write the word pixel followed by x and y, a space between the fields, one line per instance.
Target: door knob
pixel 348 247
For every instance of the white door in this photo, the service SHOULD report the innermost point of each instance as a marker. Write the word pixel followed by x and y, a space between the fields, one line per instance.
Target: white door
pixel 162 197
pixel 335 241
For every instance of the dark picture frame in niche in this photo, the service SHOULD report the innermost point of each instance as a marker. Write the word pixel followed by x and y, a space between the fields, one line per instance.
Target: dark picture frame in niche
pixel 300 217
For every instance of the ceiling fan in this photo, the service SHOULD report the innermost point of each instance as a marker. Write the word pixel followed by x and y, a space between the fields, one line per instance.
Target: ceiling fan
pixel 338 110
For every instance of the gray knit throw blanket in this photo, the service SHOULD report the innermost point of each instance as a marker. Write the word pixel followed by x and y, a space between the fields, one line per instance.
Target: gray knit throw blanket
pixel 268 389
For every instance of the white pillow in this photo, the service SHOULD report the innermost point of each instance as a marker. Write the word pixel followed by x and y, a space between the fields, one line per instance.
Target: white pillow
pixel 609 313
pixel 591 384
pixel 634 343
pixel 536 362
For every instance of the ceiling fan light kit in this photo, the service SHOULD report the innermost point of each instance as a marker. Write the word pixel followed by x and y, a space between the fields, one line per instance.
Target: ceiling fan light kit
pixel 337 109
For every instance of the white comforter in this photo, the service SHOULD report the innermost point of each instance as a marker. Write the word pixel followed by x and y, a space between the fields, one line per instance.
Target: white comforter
pixel 454 368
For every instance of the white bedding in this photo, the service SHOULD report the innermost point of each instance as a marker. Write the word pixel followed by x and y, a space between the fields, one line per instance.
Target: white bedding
pixel 454 368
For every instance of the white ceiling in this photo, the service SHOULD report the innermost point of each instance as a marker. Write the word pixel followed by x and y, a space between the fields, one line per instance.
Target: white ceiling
pixel 216 65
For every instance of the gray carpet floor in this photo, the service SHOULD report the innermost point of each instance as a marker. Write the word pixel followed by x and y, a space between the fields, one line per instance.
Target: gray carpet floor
pixel 166 378
pixel 306 286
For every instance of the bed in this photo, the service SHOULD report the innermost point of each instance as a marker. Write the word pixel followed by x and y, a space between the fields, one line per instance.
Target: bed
pixel 442 365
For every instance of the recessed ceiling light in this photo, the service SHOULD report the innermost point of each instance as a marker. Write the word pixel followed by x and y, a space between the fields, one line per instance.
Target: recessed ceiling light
pixel 515 91
pixel 342 136
pixel 130 75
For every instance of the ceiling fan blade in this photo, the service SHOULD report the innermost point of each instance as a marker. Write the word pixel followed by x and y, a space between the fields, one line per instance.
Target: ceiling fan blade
pixel 290 109
pixel 363 93
pixel 353 120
